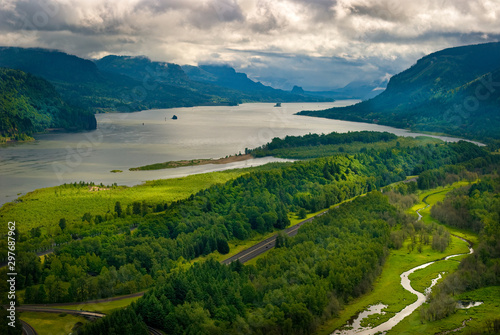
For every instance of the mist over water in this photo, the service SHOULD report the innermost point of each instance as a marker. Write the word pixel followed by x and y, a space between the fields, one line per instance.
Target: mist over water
pixel 123 141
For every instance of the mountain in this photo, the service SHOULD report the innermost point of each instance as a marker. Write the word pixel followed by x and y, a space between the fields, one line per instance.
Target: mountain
pixel 30 104
pixel 454 91
pixel 82 83
pixel 227 77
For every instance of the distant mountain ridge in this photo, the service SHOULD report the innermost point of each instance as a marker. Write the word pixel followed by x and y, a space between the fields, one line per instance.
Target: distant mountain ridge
pixel 227 77
pixel 30 104
pixel 127 83
pixel 454 91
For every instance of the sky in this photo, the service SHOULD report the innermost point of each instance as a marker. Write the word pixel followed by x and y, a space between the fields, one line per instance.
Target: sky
pixel 316 44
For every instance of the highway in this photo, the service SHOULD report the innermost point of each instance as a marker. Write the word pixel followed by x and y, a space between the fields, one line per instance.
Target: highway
pixel 267 244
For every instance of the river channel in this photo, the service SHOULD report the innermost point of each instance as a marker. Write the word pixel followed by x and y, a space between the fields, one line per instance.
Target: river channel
pixel 355 327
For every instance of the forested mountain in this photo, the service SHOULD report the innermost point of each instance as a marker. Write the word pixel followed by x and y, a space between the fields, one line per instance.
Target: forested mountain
pixel 227 77
pixel 31 104
pixel 455 91
pixel 219 87
pixel 80 82
pixel 119 83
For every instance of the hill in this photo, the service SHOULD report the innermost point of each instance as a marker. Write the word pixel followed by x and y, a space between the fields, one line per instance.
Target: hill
pixel 82 83
pixel 224 76
pixel 31 104
pixel 454 91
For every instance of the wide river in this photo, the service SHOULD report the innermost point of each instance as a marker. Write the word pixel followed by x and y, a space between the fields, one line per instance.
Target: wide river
pixel 129 140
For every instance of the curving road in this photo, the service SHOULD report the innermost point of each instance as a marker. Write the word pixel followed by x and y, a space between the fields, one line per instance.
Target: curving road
pixel 27 329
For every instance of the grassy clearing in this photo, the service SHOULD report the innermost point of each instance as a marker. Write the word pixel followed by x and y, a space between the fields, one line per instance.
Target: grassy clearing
pixel 487 311
pixel 44 207
pixel 105 307
pixel 51 323
pixel 422 279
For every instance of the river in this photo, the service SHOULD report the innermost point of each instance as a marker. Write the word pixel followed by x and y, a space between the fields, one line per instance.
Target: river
pixel 405 282
pixel 129 140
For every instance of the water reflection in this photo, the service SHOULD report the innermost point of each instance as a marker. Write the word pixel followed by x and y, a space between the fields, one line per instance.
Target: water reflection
pixel 129 140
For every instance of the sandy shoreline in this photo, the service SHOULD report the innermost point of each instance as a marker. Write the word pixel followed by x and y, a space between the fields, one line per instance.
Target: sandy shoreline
pixel 193 162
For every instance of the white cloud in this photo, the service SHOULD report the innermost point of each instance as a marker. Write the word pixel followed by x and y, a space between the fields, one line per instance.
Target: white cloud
pixel 312 43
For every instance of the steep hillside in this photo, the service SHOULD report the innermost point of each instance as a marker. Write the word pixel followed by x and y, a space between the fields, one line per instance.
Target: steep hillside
pixel 30 104
pixel 454 91
pixel 82 83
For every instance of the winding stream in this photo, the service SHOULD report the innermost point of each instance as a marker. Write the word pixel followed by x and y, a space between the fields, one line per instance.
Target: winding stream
pixel 405 282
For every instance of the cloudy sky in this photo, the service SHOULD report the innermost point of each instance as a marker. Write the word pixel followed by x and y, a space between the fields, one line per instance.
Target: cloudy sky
pixel 317 44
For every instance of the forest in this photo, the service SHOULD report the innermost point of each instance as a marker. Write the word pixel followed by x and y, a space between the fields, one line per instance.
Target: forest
pixel 147 245
pixel 307 279
pixel 30 104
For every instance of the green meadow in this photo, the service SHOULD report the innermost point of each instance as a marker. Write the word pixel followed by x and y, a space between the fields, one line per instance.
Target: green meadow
pixel 52 323
pixel 44 207
pixel 105 307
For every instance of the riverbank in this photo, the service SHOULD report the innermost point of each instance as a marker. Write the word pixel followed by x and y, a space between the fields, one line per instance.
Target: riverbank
pixel 192 162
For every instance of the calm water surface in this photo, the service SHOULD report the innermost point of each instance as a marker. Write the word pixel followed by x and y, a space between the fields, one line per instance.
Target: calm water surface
pixel 123 141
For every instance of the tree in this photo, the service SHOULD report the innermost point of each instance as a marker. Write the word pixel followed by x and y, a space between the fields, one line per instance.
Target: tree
pixel 118 209
pixel 281 240
pixel 302 213
pixel 62 223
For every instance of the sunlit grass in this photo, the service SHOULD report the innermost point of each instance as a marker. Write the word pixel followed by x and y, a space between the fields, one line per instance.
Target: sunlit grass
pixel 51 323
pixel 44 207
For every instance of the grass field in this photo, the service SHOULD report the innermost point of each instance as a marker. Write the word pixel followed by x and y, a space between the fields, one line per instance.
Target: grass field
pixel 400 261
pixel 422 279
pixel 477 315
pixel 44 207
pixel 105 307
pixel 51 323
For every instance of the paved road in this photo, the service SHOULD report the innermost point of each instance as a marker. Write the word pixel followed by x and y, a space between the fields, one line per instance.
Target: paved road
pixel 268 243
pixel 87 314
pixel 27 329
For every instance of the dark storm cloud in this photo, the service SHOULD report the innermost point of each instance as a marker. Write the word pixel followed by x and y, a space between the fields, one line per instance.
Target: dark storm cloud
pixel 320 43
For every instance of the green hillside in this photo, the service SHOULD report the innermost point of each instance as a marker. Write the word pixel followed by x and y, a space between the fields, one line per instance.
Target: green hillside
pixel 454 91
pixel 30 104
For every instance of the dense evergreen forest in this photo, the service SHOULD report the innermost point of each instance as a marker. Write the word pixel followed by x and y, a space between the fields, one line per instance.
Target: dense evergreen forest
pixel 453 91
pixel 313 143
pixel 30 104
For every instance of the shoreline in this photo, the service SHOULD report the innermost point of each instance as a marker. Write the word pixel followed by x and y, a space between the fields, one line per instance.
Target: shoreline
pixel 192 162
